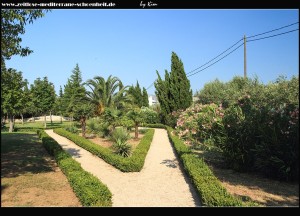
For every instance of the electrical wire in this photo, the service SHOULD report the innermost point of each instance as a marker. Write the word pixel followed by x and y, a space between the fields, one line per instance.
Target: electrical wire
pixel 189 74
pixel 272 30
pixel 216 61
pixel 272 35
pixel 214 57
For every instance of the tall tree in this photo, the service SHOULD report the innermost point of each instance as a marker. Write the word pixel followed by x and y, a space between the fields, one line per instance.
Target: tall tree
pixel 11 94
pixel 73 89
pixel 43 96
pixel 75 100
pixel 106 93
pixel 58 107
pixel 139 97
pixel 174 92
pixel 25 101
pixel 145 99
pixel 13 23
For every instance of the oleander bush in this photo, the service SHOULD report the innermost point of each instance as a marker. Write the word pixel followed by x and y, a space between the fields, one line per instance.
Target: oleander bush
pixel 256 130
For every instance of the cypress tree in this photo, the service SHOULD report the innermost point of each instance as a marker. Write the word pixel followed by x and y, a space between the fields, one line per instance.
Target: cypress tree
pixel 145 101
pixel 174 92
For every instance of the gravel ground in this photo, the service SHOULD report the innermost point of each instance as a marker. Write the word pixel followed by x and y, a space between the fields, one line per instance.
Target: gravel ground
pixel 161 182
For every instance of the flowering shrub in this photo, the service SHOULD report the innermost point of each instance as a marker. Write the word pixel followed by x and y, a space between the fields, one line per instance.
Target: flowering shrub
pixel 198 123
pixel 258 131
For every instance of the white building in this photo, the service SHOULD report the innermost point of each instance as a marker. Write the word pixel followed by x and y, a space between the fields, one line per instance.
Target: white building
pixel 152 100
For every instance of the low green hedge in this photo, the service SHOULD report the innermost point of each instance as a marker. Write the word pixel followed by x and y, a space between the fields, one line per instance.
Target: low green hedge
pixel 155 126
pixel 211 192
pixel 88 188
pixel 134 163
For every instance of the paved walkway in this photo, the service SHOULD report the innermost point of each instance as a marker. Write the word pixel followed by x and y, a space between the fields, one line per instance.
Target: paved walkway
pixel 161 182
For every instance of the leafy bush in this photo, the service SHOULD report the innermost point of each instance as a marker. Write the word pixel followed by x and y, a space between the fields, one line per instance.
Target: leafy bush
pixel 122 147
pixel 88 188
pixel 257 130
pixel 126 122
pixel 134 163
pixel 72 128
pixel 120 134
pixel 149 115
pixel 143 131
pixel 155 126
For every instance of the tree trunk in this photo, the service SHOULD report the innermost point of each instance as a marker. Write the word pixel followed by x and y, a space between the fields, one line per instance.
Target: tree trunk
pixel 11 124
pixel 22 119
pixel 51 117
pixel 83 125
pixel 45 122
pixel 33 117
pixel 61 119
pixel 136 131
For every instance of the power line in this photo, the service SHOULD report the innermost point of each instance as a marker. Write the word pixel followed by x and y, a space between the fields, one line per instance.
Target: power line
pixel 216 61
pixel 272 30
pixel 272 35
pixel 191 72
pixel 215 57
pixel 150 86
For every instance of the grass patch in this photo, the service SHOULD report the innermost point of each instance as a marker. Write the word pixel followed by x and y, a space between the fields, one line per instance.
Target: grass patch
pixel 134 163
pixel 33 126
pixel 21 153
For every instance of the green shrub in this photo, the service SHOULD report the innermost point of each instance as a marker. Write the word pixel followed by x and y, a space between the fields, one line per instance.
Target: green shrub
pixel 143 131
pixel 88 188
pixel 71 128
pixel 149 115
pixel 155 126
pixel 120 134
pixel 134 163
pixel 122 148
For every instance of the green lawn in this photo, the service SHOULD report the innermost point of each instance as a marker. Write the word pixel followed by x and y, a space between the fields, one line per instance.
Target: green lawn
pixel 33 126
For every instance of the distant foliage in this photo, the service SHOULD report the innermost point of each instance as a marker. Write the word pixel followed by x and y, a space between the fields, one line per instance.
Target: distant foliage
pixel 72 128
pixel 149 115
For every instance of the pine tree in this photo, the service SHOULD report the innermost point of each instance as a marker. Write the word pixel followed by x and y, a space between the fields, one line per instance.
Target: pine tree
pixel 174 92
pixel 75 100
pixel 136 93
pixel 73 89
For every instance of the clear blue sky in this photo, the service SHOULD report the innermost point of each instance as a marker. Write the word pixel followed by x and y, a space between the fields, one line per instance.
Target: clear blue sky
pixel 133 44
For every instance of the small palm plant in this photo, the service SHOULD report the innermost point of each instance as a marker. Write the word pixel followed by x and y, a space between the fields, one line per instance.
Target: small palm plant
pixel 119 137
pixel 122 148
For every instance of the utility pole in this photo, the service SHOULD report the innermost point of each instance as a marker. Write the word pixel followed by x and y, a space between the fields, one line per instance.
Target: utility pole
pixel 245 59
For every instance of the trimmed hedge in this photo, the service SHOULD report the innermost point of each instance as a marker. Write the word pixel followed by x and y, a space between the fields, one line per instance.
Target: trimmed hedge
pixel 209 188
pixel 134 163
pixel 155 126
pixel 88 188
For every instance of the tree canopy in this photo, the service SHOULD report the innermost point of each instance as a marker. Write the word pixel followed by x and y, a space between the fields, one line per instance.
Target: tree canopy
pixel 13 23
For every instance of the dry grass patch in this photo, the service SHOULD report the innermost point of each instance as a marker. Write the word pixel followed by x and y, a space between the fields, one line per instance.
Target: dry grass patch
pixel 29 176
pixel 264 191
pixel 105 142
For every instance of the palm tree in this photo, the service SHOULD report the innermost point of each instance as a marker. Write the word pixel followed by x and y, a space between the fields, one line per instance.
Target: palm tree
pixel 108 93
